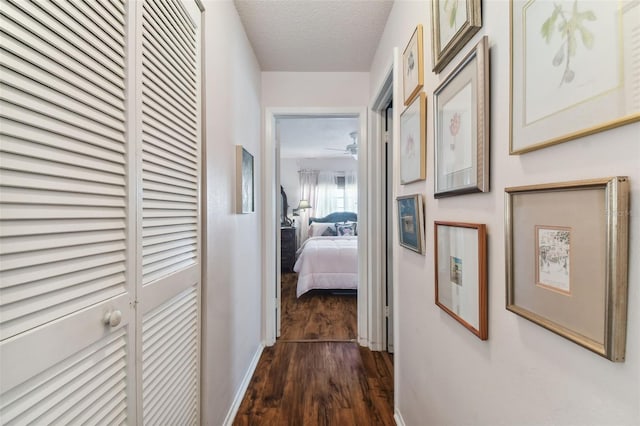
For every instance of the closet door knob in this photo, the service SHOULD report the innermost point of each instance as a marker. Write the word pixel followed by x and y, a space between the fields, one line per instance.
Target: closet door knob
pixel 113 318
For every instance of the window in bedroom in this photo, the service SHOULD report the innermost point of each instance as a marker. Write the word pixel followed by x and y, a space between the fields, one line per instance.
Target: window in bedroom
pixel 340 189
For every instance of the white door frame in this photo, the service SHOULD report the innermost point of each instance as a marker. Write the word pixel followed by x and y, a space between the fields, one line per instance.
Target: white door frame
pixel 271 192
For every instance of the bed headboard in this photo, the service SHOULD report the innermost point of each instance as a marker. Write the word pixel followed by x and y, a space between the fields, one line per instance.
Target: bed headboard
pixel 336 217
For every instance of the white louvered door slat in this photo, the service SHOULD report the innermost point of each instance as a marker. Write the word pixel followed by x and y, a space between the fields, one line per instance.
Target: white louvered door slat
pixel 169 239
pixel 64 241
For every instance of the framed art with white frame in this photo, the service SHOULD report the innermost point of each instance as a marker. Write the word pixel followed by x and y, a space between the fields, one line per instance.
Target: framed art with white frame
pixel 411 222
pixel 461 110
pixel 413 130
pixel 567 262
pixel 572 70
pixel 453 24
pixel 461 274
pixel 412 66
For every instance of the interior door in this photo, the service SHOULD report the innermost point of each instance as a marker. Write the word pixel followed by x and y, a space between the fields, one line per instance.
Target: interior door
pixel 169 132
pixel 389 205
pixel 66 294
pixel 278 238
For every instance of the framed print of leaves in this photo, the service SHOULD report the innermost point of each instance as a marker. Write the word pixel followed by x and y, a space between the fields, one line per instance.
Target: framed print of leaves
pixel 454 22
pixel 572 69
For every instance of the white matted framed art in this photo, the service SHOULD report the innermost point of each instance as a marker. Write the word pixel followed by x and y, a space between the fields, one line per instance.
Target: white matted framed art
pixel 461 274
pixel 573 71
pixel 413 130
pixel 413 66
pixel 453 23
pixel 567 260
pixel 461 125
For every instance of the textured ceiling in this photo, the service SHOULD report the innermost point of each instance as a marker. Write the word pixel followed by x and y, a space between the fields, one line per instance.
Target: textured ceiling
pixel 309 137
pixel 314 35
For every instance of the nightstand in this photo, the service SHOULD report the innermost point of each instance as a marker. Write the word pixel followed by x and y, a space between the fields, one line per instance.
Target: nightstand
pixel 288 247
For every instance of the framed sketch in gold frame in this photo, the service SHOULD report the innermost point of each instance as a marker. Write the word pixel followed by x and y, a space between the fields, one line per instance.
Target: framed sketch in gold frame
pixel 453 23
pixel 567 262
pixel 245 197
pixel 411 222
pixel 461 125
pixel 461 274
pixel 572 70
pixel 413 130
pixel 412 66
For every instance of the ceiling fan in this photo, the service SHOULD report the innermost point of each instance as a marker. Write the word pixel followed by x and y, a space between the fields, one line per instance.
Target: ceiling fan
pixel 350 149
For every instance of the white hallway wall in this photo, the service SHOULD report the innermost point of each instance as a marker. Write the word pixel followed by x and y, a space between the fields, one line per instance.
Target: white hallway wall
pixel 524 374
pixel 232 286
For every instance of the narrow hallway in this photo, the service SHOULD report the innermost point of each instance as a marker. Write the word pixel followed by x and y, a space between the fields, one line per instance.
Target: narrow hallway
pixel 316 374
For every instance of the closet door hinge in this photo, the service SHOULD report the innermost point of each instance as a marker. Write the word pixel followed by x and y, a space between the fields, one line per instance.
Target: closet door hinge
pixel 386 312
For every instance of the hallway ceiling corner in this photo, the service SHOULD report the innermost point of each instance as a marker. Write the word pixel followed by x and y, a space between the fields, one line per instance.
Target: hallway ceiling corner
pixel 314 35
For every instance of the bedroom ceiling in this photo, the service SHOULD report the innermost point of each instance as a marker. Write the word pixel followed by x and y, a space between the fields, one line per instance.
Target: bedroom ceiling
pixel 314 35
pixel 309 137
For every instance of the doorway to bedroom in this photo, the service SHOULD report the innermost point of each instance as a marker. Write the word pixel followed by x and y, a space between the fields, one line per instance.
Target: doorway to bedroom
pixel 317 173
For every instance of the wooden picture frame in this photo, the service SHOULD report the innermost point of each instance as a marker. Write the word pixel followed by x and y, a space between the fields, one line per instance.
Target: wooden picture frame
pixel 563 90
pixel 461 290
pixel 413 132
pixel 245 189
pixel 452 27
pixel 411 222
pixel 462 122
pixel 567 260
pixel 413 66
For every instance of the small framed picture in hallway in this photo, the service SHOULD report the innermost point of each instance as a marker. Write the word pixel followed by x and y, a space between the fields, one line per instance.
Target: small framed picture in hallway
pixel 567 260
pixel 461 274
pixel 411 222
pixel 412 65
pixel 245 197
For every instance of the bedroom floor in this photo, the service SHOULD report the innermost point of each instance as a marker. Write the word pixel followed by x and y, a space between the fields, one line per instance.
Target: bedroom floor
pixel 316 374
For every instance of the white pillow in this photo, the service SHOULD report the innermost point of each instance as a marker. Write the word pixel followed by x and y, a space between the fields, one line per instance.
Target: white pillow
pixel 317 228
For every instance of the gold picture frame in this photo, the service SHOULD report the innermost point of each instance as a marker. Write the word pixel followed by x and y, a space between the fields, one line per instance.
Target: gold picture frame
pixel 413 66
pixel 413 132
pixel 461 274
pixel 567 260
pixel 566 85
pixel 452 27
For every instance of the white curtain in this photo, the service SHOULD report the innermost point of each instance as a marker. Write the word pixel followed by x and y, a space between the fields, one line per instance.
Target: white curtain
pixel 351 191
pixel 308 188
pixel 326 193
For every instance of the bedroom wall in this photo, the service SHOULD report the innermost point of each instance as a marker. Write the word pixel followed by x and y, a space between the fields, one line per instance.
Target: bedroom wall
pixel 232 284
pixel 524 374
pixel 289 178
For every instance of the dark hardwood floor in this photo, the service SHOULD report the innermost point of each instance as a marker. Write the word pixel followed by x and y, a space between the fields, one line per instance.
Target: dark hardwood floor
pixel 317 315
pixel 316 374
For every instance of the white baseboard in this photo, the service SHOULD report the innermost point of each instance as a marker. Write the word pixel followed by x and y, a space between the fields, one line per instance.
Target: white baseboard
pixel 398 418
pixel 244 385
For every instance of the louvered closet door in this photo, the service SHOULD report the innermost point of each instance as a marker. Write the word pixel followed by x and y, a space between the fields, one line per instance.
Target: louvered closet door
pixel 64 230
pixel 170 180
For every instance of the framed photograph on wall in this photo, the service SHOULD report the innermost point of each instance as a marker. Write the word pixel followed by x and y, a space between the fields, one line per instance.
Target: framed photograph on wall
pixel 453 23
pixel 461 109
pixel 412 66
pixel 245 197
pixel 413 129
pixel 573 70
pixel 567 260
pixel 461 274
pixel 411 222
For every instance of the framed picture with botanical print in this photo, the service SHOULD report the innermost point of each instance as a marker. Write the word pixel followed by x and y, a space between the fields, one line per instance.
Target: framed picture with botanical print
pixel 411 222
pixel 567 260
pixel 413 129
pixel 412 66
pixel 574 69
pixel 461 274
pixel 453 23
pixel 245 198
pixel 461 109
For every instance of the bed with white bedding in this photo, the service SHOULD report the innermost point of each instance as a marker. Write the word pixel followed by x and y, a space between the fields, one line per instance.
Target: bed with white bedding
pixel 327 262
